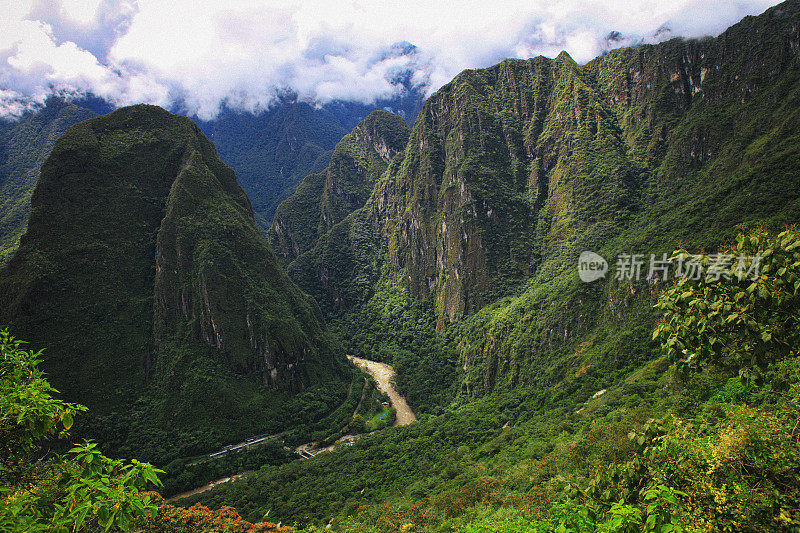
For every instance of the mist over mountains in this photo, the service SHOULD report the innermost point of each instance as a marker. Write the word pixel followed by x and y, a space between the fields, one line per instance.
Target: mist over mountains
pixel 271 150
pixel 246 56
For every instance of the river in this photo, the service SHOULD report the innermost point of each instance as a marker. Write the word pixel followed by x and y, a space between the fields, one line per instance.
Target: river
pixel 383 375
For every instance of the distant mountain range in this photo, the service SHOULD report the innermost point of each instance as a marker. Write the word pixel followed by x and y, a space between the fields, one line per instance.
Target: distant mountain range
pixel 270 151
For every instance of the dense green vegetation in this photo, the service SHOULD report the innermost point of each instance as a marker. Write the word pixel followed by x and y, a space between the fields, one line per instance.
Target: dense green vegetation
pixel 639 402
pixel 24 146
pixel 511 172
pixel 364 410
pixel 698 449
pixel 325 199
pixel 401 331
pixel 183 475
pixel 160 303
pixel 556 408
pixel 325 233
pixel 79 491
pixel 273 150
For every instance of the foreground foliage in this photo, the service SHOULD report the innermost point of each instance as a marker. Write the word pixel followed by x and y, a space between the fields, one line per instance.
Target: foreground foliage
pixel 80 491
pixel 201 518
pixel 747 315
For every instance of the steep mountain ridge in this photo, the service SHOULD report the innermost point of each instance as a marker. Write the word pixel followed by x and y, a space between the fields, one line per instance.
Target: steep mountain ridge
pixel 143 275
pixel 24 146
pixel 511 171
pixel 325 199
pixel 500 166
pixel 272 150
pixel 710 132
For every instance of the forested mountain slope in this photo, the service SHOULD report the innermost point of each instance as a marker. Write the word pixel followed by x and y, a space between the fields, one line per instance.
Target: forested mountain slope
pixel 556 408
pixel 511 172
pixel 145 279
pixel 24 146
pixel 271 150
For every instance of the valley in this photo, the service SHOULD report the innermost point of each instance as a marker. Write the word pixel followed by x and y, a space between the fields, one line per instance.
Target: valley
pixel 382 373
pixel 374 315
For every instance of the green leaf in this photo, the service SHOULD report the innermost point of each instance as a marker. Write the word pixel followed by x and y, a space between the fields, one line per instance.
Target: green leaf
pixel 67 420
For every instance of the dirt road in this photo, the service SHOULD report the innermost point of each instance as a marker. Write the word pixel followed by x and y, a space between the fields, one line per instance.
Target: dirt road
pixel 206 487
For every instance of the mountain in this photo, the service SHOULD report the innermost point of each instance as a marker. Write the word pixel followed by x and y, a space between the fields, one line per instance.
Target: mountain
pixel 271 151
pixel 274 149
pixel 327 234
pixel 545 402
pixel 24 146
pixel 324 199
pixel 451 250
pixel 158 302
pixel 510 172
pixel 697 138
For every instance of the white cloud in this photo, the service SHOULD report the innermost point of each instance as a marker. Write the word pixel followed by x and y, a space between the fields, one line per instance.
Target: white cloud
pixel 245 52
pixel 13 105
pixel 81 11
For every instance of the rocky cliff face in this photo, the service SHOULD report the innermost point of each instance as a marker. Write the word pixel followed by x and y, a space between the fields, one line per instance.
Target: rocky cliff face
pixel 511 171
pixel 500 165
pixel 704 138
pixel 143 270
pixel 325 199
pixel 511 165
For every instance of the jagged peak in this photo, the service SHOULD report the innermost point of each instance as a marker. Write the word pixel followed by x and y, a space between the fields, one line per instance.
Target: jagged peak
pixel 564 58
pixel 384 132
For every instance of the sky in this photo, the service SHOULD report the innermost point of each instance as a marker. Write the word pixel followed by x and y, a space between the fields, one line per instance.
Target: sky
pixel 245 54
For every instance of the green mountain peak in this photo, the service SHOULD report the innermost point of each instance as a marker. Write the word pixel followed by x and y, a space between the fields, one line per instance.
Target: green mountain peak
pixel 143 274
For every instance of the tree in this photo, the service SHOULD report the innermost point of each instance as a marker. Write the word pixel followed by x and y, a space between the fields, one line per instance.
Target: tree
pixel 201 518
pixel 358 424
pixel 28 412
pixel 744 310
pixel 81 491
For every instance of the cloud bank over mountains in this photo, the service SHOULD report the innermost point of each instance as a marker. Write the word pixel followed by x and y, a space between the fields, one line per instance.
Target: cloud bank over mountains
pixel 202 54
